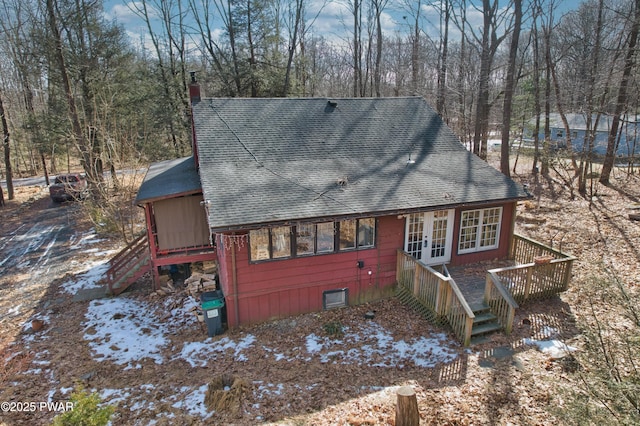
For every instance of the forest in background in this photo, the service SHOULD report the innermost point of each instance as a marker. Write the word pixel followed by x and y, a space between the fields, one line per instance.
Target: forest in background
pixel 75 86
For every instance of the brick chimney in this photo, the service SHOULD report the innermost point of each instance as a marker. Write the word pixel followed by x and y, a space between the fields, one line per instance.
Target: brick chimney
pixel 194 88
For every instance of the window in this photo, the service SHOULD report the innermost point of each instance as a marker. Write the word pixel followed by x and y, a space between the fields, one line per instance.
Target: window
pixel 305 239
pixel 281 242
pixel 260 244
pixel 335 298
pixel 366 232
pixel 308 239
pixel 325 237
pixel 347 234
pixel 479 230
pixel 270 243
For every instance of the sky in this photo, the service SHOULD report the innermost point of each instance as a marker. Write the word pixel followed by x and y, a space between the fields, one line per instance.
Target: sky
pixel 329 18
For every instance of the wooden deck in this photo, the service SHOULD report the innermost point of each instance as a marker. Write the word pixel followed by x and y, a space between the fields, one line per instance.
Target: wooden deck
pixel 471 279
pixel 454 296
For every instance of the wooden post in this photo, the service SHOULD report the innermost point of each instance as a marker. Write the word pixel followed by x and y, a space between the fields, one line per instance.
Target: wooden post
pixel 488 286
pixel 527 284
pixel 468 326
pixel 417 275
pixel 567 275
pixel 407 407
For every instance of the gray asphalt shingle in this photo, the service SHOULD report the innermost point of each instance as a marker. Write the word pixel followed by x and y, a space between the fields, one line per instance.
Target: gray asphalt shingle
pixel 287 160
pixel 169 178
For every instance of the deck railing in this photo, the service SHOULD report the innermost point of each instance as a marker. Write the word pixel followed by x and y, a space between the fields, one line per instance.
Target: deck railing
pixel 500 301
pixel 541 271
pixel 525 250
pixel 437 292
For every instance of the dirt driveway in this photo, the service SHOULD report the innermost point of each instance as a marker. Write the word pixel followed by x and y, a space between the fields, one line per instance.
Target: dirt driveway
pixel 149 357
pixel 39 244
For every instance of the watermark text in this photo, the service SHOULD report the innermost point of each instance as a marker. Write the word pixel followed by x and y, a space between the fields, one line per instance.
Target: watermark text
pixel 33 406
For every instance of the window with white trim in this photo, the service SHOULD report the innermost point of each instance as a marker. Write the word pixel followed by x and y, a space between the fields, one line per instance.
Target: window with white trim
pixel 479 230
pixel 308 239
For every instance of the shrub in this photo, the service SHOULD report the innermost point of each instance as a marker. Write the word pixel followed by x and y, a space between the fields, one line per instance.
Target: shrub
pixel 86 411
pixel 334 328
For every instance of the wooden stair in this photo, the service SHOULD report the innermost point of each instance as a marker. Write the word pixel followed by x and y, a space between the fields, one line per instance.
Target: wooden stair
pixel 126 267
pixel 484 323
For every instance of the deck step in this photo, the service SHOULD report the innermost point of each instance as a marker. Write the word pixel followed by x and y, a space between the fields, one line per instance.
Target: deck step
pixel 484 323
pixel 485 328
pixel 484 317
pixel 479 307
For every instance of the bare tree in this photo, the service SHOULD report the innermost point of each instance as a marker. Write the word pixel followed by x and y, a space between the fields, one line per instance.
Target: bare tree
pixel 378 6
pixel 7 152
pixel 509 88
pixel 489 41
pixel 537 109
pixel 295 25
pixel 88 159
pixel 621 102
pixel 170 58
pixel 443 57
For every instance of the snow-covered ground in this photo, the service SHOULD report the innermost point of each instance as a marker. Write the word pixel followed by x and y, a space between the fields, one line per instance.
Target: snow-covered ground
pixel 128 331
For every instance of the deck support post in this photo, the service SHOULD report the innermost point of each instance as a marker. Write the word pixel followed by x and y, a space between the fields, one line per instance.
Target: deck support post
pixel 527 284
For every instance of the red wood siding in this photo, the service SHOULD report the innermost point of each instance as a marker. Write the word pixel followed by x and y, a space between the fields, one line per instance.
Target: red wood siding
pixel 280 288
pixel 501 252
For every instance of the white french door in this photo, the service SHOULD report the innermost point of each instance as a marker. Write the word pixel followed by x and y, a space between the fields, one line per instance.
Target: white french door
pixel 429 236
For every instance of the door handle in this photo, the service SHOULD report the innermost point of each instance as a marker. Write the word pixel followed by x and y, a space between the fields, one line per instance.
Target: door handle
pixel 425 243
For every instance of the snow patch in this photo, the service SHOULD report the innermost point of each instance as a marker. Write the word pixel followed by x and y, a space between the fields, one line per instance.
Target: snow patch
pixel 377 347
pixel 123 330
pixel 198 354
pixel 554 348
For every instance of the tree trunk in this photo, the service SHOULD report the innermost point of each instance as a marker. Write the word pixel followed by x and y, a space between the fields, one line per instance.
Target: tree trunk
pixel 44 168
pixel 357 47
pixel 415 53
pixel 591 126
pixel 547 101
pixel 621 102
pixel 509 88
pixel 407 407
pixel 443 58
pixel 376 71
pixel 7 156
pixel 536 95
pixel 293 42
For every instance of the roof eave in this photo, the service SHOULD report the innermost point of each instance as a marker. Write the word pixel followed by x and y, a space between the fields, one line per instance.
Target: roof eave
pixel 337 218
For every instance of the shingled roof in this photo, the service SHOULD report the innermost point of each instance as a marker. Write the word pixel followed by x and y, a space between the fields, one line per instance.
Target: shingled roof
pixel 285 160
pixel 168 179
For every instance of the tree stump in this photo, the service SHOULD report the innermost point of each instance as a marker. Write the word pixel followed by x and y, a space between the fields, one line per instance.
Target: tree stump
pixel 407 407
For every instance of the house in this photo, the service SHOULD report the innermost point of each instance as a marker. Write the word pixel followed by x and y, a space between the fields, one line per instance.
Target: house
pixel 628 132
pixel 313 203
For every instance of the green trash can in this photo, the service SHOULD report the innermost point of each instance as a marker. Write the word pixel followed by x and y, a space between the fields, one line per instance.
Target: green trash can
pixel 212 303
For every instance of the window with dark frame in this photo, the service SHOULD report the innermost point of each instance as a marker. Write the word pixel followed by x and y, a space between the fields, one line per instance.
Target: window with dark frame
pixel 308 239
